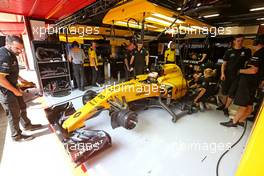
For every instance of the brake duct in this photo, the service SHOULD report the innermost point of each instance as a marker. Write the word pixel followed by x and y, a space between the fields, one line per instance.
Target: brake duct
pixel 121 115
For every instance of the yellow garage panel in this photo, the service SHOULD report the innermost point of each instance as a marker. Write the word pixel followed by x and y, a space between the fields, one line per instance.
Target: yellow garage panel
pixel 253 157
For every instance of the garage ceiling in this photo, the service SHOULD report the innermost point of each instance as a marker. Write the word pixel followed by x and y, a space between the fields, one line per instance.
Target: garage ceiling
pixel 231 12
pixel 43 9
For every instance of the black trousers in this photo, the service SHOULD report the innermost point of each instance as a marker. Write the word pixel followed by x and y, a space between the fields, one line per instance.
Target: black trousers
pixel 229 86
pixel 16 111
pixel 127 73
pixel 78 72
pixel 95 74
pixel 139 69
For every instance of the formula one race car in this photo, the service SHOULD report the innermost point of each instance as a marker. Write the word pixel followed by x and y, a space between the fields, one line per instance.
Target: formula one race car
pixel 155 89
pixel 168 83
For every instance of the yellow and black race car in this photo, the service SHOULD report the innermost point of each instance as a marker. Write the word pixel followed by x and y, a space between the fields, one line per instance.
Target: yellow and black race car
pixel 168 84
pixel 155 89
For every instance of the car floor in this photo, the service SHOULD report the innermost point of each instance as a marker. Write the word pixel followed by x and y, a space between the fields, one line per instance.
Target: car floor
pixel 191 146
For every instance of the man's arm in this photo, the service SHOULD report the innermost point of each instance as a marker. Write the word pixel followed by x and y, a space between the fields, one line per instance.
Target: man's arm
pixel 70 56
pixel 5 83
pixel 261 84
pixel 223 67
pixel 92 58
pixel 249 71
pixel 132 60
pixel 147 60
pixel 203 58
pixel 126 63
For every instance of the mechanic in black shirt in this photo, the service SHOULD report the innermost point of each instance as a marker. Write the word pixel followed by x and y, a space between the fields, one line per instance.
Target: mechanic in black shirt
pixel 251 76
pixel 205 86
pixel 10 95
pixel 140 59
pixel 128 54
pixel 234 59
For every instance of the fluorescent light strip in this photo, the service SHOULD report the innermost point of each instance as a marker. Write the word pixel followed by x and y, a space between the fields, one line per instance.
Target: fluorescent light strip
pixel 210 16
pixel 133 24
pixel 166 18
pixel 262 24
pixel 151 26
pixel 256 9
pixel 155 20
pixel 259 19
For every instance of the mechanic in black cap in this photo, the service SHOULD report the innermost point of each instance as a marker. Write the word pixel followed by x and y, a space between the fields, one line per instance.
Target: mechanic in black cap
pixel 141 59
pixel 234 59
pixel 10 95
pixel 250 78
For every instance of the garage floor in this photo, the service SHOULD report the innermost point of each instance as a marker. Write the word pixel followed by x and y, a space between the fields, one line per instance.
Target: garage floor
pixel 155 147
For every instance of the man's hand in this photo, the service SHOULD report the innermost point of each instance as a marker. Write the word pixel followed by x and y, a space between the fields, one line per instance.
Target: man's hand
pixel 96 68
pixel 18 92
pixel 253 70
pixel 131 69
pixel 223 77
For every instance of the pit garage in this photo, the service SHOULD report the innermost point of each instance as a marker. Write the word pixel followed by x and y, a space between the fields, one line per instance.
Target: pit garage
pixel 131 87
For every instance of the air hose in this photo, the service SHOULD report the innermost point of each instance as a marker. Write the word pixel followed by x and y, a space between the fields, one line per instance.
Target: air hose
pixel 221 157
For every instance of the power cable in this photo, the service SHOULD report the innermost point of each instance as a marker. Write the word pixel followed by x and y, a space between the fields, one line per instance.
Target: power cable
pixel 221 157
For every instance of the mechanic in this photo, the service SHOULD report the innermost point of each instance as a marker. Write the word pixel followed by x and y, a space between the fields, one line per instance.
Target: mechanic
pixel 77 56
pixel 129 50
pixel 203 59
pixel 234 59
pixel 203 56
pixel 140 59
pixel 10 95
pixel 204 87
pixel 170 53
pixel 94 64
pixel 250 78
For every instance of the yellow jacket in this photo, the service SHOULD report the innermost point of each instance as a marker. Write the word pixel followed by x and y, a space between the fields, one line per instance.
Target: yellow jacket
pixel 169 55
pixel 92 57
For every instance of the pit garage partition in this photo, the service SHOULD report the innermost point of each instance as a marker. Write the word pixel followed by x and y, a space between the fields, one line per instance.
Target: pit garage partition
pixel 253 157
